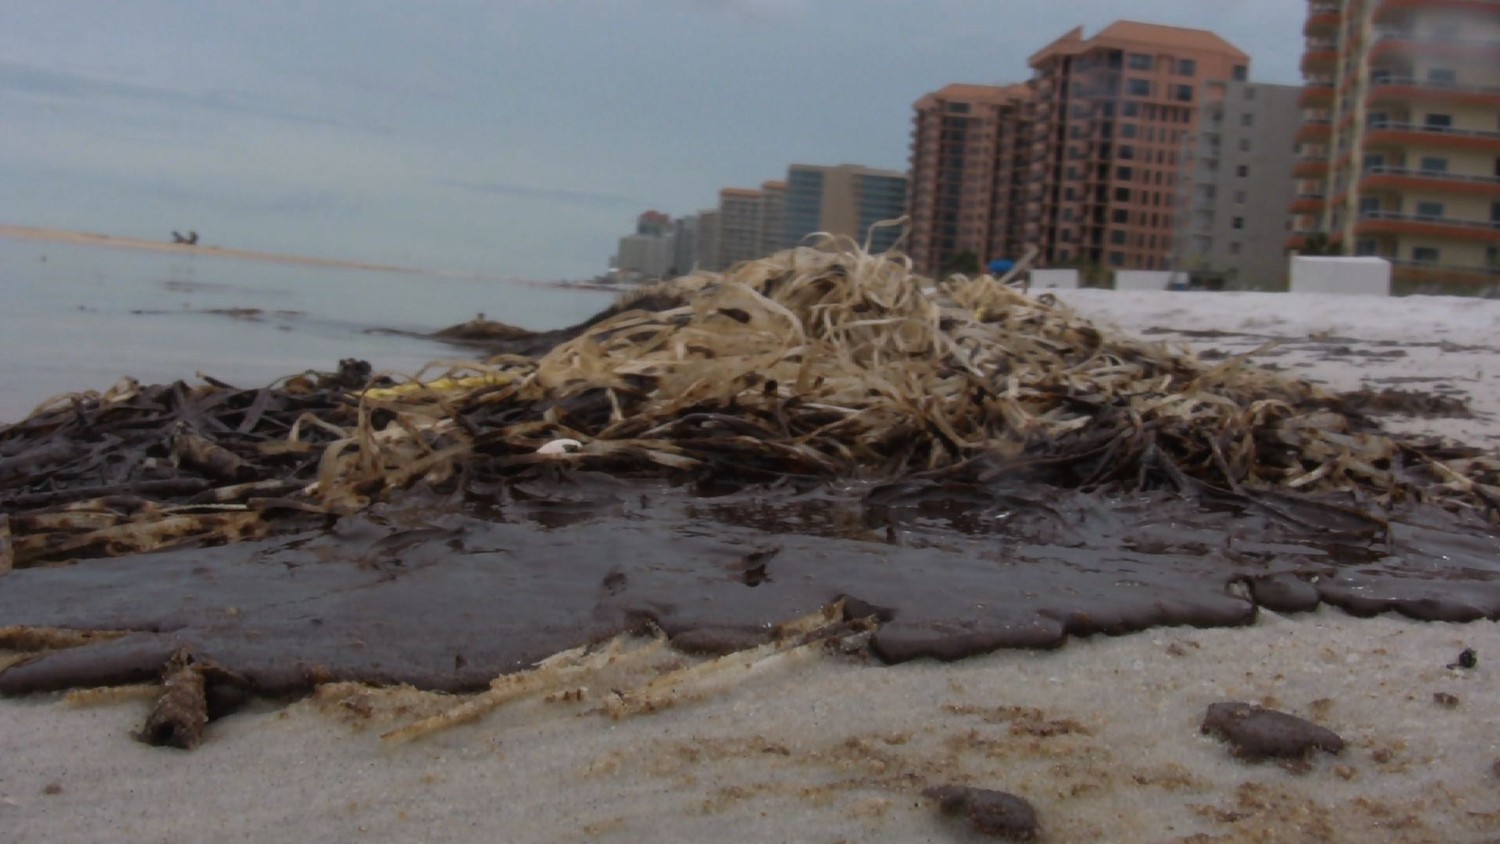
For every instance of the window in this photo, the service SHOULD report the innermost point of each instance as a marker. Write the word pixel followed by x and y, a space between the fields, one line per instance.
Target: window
pixel 1249 93
pixel 1139 61
pixel 1119 215
pixel 1117 237
pixel 1116 259
pixel 1186 67
pixel 1369 206
pixel 1183 93
pixel 1242 171
pixel 1237 223
pixel 1429 210
pixel 1247 119
pixel 1364 247
pixel 1244 144
pixel 1440 122
pixel 1129 109
pixel 1441 76
pixel 1240 72
pixel 1124 173
pixel 1433 164
pixel 958 108
pixel 1138 87
pixel 1127 130
pixel 1122 194
pixel 1127 152
pixel 1424 253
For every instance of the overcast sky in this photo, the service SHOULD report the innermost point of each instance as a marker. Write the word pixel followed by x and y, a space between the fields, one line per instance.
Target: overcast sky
pixel 508 137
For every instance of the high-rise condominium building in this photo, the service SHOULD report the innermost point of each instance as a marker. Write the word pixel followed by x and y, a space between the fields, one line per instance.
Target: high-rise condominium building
pixel 848 199
pixel 739 226
pixel 1112 119
pixel 1400 141
pixel 772 205
pixel 707 247
pixel 967 185
pixel 1241 183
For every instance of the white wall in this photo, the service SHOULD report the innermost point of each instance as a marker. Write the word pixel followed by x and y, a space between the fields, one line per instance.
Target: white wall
pixel 1054 279
pixel 1363 276
pixel 1143 279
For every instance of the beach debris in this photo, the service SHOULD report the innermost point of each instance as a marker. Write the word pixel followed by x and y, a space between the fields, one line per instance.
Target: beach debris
pixel 1445 700
pixel 1256 733
pixel 821 363
pixel 564 445
pixel 180 714
pixel 194 691
pixel 560 671
pixel 1467 658
pixel 997 814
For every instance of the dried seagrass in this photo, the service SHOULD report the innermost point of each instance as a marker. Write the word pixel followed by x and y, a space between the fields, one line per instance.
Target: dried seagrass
pixel 827 362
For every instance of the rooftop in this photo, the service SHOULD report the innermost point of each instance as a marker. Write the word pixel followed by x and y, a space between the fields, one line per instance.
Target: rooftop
pixel 1127 34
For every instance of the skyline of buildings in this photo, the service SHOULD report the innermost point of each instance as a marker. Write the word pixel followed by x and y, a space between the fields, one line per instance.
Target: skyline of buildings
pixel 1147 147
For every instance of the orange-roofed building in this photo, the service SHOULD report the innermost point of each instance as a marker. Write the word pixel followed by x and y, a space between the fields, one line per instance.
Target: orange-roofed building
pixel 966 174
pixel 1111 121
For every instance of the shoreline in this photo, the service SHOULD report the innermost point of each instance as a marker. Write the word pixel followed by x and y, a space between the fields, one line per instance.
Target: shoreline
pixel 76 238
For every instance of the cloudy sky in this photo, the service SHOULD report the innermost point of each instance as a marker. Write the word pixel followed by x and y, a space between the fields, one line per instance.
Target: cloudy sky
pixel 507 137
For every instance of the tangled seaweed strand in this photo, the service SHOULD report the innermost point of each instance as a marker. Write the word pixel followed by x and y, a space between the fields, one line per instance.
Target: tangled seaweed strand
pixel 815 362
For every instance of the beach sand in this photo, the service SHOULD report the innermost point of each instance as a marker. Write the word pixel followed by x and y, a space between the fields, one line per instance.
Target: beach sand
pixel 1102 735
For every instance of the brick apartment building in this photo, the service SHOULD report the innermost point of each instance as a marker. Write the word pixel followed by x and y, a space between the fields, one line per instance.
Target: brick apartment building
pixel 1084 162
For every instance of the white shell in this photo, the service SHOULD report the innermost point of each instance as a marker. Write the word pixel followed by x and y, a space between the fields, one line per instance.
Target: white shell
pixel 561 446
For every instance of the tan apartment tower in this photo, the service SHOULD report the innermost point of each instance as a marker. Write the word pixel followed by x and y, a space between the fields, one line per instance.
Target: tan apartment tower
pixel 847 199
pixel 1113 118
pixel 772 205
pixel 967 175
pixel 1400 141
pixel 739 226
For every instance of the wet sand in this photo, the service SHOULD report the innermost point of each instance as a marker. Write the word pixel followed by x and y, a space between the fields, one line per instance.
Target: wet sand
pixel 1100 735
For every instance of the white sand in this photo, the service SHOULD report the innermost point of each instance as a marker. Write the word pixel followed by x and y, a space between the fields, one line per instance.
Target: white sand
pixel 1101 735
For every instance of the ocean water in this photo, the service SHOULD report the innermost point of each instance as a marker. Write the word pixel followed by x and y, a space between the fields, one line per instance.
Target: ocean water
pixel 80 317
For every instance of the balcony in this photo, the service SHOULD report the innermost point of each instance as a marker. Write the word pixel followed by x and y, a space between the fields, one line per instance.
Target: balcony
pixel 1316 95
pixel 1322 54
pixel 1400 89
pixel 1395 223
pixel 1430 272
pixel 1401 178
pixel 1308 203
pixel 1323 19
pixel 1315 130
pixel 1299 238
pixel 1389 11
pixel 1310 167
pixel 1397 49
pixel 1404 134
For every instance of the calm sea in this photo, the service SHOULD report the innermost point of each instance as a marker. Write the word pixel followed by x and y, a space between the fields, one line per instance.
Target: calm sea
pixel 80 317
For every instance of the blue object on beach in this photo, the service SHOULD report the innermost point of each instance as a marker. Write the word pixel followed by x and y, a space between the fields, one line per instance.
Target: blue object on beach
pixel 1000 266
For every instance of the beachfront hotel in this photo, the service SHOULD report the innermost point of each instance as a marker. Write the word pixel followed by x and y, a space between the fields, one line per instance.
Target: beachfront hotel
pixel 1400 139
pixel 1086 161
pixel 967 186
pixel 846 199
pixel 1234 224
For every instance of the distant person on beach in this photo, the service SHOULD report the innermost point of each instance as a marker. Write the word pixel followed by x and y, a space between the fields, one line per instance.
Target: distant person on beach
pixel 190 240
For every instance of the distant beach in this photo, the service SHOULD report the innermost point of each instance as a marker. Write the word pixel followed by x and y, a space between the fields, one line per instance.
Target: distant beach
pixel 93 239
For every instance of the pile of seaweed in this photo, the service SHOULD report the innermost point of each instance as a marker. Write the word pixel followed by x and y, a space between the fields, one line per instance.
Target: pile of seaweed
pixel 816 363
